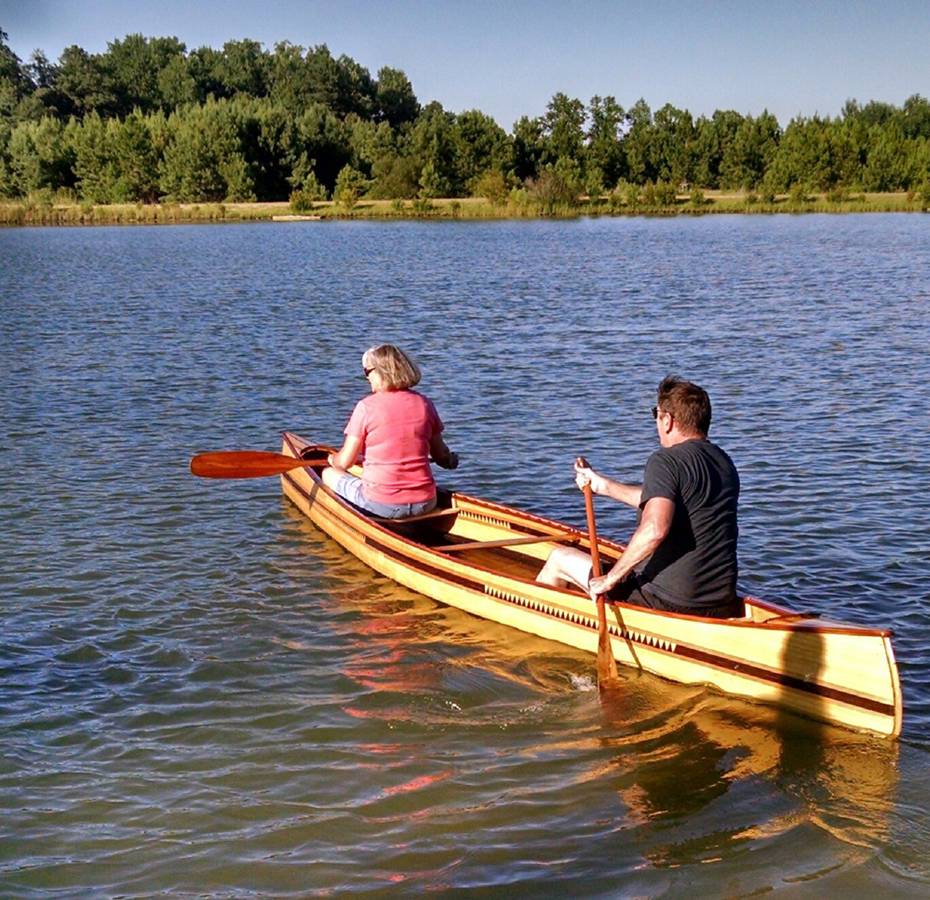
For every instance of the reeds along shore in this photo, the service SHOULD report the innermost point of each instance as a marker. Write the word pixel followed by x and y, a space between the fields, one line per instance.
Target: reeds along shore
pixel 46 210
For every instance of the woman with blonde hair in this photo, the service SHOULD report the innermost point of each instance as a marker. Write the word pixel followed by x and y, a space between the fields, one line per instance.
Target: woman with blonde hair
pixel 398 431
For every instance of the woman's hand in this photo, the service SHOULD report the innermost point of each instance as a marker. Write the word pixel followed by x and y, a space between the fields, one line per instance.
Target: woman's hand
pixel 441 454
pixel 345 458
pixel 450 461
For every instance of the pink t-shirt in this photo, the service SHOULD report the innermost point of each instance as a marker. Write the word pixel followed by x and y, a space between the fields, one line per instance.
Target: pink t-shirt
pixel 396 428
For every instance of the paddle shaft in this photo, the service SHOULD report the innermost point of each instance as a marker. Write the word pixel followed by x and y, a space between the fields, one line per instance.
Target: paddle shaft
pixel 592 524
pixel 248 463
pixel 607 675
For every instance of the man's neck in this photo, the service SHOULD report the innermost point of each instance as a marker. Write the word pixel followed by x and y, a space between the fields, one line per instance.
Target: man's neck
pixel 677 436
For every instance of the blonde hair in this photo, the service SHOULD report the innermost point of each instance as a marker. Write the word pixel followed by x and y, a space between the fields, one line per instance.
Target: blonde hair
pixel 398 372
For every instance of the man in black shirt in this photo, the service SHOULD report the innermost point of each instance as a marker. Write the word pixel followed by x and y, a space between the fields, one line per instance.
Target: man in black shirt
pixel 682 556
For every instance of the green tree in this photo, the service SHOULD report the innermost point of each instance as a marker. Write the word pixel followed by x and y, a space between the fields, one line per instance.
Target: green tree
pixel 604 150
pixel 394 176
pixel 322 77
pixel 672 147
pixel 136 159
pixel 873 113
pixel 355 89
pixel 350 185
pixel 479 144
pixel 268 135
pixel 44 98
pixel 915 118
pixel 748 156
pixel 242 68
pixel 563 128
pixel 302 199
pixel 176 84
pixel 555 189
pixel 205 67
pixel 492 186
pixel 815 153
pixel 369 142
pixel 320 144
pixel 638 144
pixel 15 83
pixel 40 156
pixel 94 165
pixel 134 65
pixel 396 102
pixel 432 183
pixel 886 168
pixel 85 83
pixel 288 81
pixel 713 139
pixel 204 160
pixel 8 187
pixel 432 145
pixel 529 148
pixel 918 167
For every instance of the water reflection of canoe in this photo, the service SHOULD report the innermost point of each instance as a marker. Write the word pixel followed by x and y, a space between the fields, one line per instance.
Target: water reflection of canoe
pixel 482 557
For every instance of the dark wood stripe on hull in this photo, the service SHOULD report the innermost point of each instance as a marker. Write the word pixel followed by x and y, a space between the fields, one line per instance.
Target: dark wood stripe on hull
pixel 789 681
pixel 664 645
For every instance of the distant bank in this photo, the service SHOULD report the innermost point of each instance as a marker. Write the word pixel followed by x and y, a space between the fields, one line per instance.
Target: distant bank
pixel 45 212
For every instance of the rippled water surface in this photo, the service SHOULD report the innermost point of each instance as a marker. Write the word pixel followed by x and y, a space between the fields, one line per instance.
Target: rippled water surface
pixel 202 695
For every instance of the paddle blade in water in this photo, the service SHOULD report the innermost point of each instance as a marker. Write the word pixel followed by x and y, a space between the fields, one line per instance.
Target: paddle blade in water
pixel 608 678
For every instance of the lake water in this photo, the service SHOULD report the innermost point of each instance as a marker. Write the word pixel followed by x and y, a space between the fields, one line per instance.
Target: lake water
pixel 202 695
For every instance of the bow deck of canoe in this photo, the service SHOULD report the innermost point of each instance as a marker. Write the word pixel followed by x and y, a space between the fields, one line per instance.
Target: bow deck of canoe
pixel 482 557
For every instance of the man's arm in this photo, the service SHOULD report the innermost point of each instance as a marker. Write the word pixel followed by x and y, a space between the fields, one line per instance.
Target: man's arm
pixel 630 494
pixel 652 530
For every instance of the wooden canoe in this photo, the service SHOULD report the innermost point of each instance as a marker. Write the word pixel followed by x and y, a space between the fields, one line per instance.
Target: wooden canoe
pixel 483 557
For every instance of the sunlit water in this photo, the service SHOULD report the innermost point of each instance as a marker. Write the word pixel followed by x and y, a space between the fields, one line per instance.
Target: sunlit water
pixel 202 695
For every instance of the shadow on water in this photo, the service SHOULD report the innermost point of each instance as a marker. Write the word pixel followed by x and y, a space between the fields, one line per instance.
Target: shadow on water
pixel 699 780
pixel 708 778
pixel 803 658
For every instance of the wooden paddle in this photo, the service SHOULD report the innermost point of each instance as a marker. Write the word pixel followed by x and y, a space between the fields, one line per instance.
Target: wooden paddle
pixel 248 463
pixel 607 676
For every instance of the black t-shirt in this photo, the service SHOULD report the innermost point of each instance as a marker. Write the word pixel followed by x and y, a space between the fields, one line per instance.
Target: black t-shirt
pixel 695 566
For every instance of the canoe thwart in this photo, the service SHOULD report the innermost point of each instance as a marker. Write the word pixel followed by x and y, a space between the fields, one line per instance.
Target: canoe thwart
pixel 510 542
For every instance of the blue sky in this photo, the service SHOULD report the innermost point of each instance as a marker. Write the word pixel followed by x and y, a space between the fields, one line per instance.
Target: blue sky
pixel 508 57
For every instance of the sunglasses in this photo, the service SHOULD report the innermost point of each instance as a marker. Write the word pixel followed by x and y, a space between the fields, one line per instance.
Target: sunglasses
pixel 367 372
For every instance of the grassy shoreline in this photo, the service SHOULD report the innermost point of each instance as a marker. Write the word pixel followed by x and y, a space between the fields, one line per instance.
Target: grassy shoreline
pixel 44 212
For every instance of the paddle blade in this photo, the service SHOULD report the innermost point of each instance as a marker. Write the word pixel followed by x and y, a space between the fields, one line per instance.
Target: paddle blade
pixel 608 678
pixel 247 463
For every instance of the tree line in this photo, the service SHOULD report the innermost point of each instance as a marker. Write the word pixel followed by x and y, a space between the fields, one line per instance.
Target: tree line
pixel 148 120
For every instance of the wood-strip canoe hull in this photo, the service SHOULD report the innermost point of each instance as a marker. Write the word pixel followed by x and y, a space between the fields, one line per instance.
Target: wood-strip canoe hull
pixel 830 671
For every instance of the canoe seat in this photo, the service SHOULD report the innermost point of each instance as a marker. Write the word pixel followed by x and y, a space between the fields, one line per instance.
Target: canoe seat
pixel 432 514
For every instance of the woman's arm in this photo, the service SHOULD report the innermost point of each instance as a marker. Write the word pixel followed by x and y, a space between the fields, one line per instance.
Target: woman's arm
pixel 347 455
pixel 441 454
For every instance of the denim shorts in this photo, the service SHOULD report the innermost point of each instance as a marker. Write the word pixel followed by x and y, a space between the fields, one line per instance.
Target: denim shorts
pixel 350 487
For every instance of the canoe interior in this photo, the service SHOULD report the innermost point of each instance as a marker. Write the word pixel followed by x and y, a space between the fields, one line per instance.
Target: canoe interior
pixel 484 557
pixel 449 525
